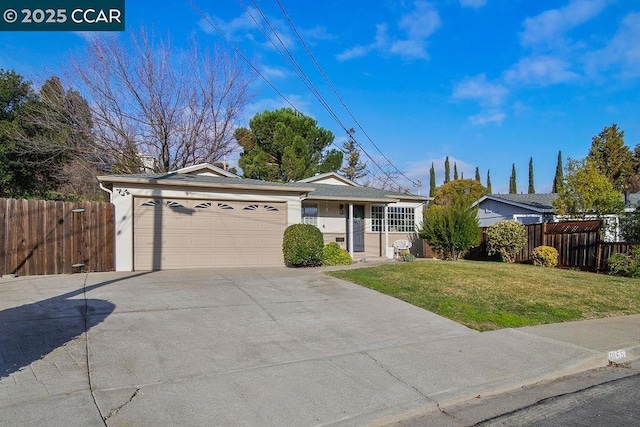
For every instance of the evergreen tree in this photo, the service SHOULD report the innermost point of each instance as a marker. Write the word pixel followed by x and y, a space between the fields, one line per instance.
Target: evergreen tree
pixel 513 188
pixel 455 171
pixel 354 169
pixel 611 156
pixel 489 181
pixel 285 145
pixel 461 175
pixel 531 189
pixel 447 170
pixel 477 174
pixel 432 180
pixel 558 178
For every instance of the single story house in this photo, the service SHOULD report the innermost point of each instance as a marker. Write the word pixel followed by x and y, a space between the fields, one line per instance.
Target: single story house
pixel 538 208
pixel 203 216
pixel 525 208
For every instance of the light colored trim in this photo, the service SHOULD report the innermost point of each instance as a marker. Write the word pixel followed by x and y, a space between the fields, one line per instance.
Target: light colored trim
pixel 325 175
pixel 207 166
pixel 386 230
pixel 410 197
pixel 358 199
pixel 200 184
pixel 351 230
pixel 512 203
pixel 539 216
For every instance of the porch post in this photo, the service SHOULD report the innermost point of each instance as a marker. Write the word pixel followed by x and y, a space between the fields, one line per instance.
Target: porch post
pixel 351 229
pixel 386 230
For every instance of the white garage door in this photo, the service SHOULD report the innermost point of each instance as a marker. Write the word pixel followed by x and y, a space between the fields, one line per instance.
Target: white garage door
pixel 182 233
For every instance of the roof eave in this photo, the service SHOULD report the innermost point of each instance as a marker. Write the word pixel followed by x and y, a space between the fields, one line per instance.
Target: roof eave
pixel 311 196
pixel 174 183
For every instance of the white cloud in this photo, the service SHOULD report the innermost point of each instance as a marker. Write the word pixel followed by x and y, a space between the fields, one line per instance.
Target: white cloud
pixel 417 25
pixel 488 117
pixel 247 26
pixel 550 26
pixel 540 70
pixel 421 22
pixel 409 49
pixel 273 73
pixel 316 33
pixel 623 51
pixel 300 103
pixel 379 43
pixel 476 4
pixel 481 90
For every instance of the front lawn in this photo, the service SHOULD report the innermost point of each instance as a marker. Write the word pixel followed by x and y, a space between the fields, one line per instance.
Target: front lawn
pixel 491 295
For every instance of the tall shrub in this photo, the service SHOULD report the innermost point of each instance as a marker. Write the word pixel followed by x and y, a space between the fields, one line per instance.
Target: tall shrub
pixel 302 246
pixel 451 229
pixel 506 238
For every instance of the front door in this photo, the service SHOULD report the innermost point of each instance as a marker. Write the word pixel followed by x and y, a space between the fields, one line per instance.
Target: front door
pixel 358 228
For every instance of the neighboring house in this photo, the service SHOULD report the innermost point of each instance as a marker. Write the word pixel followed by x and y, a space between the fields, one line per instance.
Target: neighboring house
pixel 538 208
pixel 203 216
pixel 525 208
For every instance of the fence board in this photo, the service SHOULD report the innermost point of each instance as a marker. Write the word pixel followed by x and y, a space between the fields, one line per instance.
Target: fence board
pixel 578 244
pixel 47 237
pixel 3 237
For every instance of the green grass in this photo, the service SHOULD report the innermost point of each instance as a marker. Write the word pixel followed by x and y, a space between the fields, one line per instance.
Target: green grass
pixel 491 295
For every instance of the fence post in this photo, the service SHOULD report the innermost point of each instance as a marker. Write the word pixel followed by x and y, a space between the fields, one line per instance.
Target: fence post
pixel 544 234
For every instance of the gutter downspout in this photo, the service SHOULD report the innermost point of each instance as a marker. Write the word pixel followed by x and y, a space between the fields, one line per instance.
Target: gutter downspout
pixel 102 187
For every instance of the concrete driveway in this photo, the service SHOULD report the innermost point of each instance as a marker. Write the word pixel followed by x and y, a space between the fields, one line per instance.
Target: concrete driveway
pixel 243 347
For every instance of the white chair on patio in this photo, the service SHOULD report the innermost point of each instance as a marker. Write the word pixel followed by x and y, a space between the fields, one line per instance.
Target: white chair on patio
pixel 400 245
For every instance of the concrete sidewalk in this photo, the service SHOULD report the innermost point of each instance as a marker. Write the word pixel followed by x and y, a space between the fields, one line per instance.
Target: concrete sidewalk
pixel 259 347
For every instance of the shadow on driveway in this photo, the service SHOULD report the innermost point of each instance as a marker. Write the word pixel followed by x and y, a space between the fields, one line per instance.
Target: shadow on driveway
pixel 31 331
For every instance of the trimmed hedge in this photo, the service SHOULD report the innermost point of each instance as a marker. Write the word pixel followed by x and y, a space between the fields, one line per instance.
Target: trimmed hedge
pixel 333 254
pixel 545 256
pixel 506 238
pixel 302 246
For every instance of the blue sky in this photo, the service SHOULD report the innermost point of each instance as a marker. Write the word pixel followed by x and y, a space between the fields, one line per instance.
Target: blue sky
pixel 486 82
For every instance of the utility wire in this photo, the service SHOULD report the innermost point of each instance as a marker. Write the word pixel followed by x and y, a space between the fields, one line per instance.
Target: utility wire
pixel 335 92
pixel 221 34
pixel 295 66
pixel 301 74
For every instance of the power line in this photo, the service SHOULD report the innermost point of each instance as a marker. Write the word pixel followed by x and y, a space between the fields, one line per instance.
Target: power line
pixel 221 34
pixel 335 92
pixel 295 66
pixel 301 74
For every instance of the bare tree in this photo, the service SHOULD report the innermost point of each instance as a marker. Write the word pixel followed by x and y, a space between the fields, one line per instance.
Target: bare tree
pixel 179 108
pixel 386 178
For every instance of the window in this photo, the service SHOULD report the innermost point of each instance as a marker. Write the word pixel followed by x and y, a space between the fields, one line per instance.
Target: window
pixel 401 219
pixel 377 218
pixel 310 213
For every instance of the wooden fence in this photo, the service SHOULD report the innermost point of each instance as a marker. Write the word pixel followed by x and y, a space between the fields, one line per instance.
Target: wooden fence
pixel 49 237
pixel 578 244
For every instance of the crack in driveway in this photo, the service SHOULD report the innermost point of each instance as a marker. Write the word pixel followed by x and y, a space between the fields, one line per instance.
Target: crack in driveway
pixel 116 410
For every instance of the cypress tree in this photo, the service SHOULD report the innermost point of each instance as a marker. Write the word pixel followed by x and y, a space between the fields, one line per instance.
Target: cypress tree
pixel 477 174
pixel 559 177
pixel 513 188
pixel 489 181
pixel 461 175
pixel 432 180
pixel 455 171
pixel 531 190
pixel 447 170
